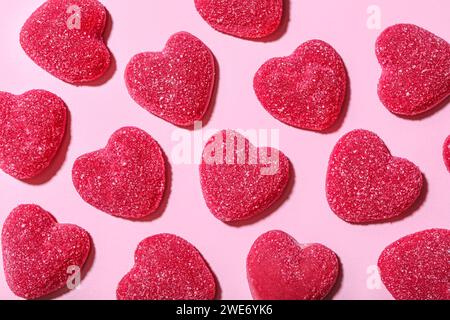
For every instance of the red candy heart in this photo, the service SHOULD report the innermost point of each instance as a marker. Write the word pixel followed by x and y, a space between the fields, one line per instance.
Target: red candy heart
pixel 125 179
pixel 32 127
pixel 278 268
pixel 446 153
pixel 250 19
pixel 39 253
pixel 175 84
pixel 417 266
pixel 307 89
pixel 238 180
pixel 366 184
pixel 65 38
pixel 416 66
pixel 167 267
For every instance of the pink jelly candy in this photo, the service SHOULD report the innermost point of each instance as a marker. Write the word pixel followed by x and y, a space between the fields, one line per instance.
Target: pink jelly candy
pixel 250 19
pixel 32 129
pixel 446 153
pixel 65 38
pixel 416 66
pixel 175 84
pixel 39 254
pixel 167 267
pixel 307 89
pixel 279 268
pixel 366 184
pixel 240 181
pixel 417 266
pixel 125 179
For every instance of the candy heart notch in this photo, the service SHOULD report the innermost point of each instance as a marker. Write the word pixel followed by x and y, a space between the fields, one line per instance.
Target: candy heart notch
pixel 32 127
pixel 415 69
pixel 278 268
pixel 39 254
pixel 250 19
pixel 167 267
pixel 125 179
pixel 305 90
pixel 366 184
pixel 416 267
pixel 175 84
pixel 446 153
pixel 65 38
pixel 240 181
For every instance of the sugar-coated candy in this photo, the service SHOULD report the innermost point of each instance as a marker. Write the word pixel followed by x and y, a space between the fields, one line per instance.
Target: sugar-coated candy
pixel 417 267
pixel 307 89
pixel 365 183
pixel 39 254
pixel 32 129
pixel 250 19
pixel 279 268
pixel 167 267
pixel 175 84
pixel 240 181
pixel 416 69
pixel 65 38
pixel 446 153
pixel 126 178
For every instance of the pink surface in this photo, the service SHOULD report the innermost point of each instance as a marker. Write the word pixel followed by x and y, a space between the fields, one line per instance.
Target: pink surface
pixel 98 111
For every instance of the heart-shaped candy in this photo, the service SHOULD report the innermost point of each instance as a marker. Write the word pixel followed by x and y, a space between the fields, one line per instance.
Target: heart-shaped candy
pixel 65 38
pixel 167 267
pixel 446 152
pixel 366 184
pixel 175 84
pixel 32 127
pixel 307 89
pixel 416 69
pixel 417 267
pixel 125 179
pixel 278 268
pixel 240 181
pixel 250 19
pixel 39 254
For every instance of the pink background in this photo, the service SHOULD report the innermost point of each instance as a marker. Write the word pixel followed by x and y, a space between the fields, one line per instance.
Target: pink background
pixel 97 111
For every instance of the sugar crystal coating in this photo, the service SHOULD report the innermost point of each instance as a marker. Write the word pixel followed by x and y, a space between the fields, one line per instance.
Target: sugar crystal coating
pixel 175 84
pixel 416 69
pixel 307 89
pixel 278 268
pixel 39 253
pixel 167 267
pixel 365 183
pixel 32 127
pixel 65 38
pixel 417 267
pixel 446 153
pixel 250 19
pixel 125 179
pixel 238 180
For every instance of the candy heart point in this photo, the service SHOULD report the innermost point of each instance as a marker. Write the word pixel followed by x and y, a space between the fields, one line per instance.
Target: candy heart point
pixel 416 267
pixel 32 127
pixel 126 178
pixel 39 253
pixel 167 267
pixel 65 38
pixel 366 184
pixel 307 89
pixel 240 181
pixel 175 84
pixel 251 19
pixel 278 268
pixel 415 69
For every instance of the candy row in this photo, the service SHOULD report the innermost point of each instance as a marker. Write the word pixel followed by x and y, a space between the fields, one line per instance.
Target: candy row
pixel 38 253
